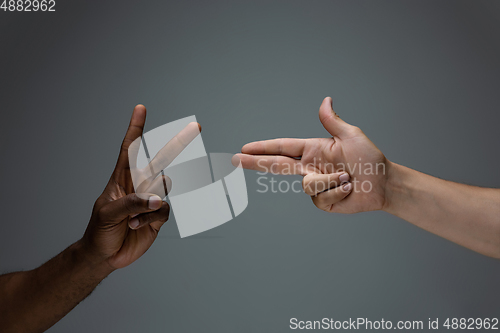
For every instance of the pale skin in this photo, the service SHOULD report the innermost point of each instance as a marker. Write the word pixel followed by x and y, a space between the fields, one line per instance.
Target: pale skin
pixel 123 226
pixel 466 215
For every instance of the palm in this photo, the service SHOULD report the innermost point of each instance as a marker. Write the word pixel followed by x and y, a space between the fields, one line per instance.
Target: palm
pixel 358 156
pixel 126 245
pixel 115 240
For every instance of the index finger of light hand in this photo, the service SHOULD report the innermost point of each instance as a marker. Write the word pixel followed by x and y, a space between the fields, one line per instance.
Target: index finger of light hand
pixel 285 147
pixel 275 164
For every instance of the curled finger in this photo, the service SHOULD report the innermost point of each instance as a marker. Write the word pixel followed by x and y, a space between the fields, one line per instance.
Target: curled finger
pixel 314 183
pixel 160 215
pixel 325 200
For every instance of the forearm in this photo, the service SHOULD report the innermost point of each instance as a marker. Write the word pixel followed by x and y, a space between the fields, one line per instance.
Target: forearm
pixel 466 215
pixel 33 301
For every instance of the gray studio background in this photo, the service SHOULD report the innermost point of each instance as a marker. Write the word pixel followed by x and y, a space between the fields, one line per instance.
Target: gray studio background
pixel 421 78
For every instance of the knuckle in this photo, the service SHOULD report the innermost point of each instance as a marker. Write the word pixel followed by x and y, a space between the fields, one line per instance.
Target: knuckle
pixel 161 215
pixel 280 146
pixel 344 195
pixel 325 116
pixel 103 213
pixel 356 130
pixel 315 202
pixel 319 204
pixel 334 181
pixel 125 145
pixel 164 217
pixel 306 185
pixel 321 199
pixel 340 195
pixel 165 212
pixel 321 186
pixel 132 201
pixel 274 165
pixel 147 218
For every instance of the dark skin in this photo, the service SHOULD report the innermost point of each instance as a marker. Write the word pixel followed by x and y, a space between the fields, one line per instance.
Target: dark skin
pixel 108 230
pixel 124 224
pixel 33 301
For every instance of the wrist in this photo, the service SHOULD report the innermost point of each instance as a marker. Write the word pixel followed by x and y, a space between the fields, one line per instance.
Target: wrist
pixel 393 186
pixel 97 265
pixel 401 187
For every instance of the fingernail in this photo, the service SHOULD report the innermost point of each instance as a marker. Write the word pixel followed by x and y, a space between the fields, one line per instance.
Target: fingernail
pixel 235 160
pixel 347 187
pixel 344 178
pixel 134 223
pixel 154 202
